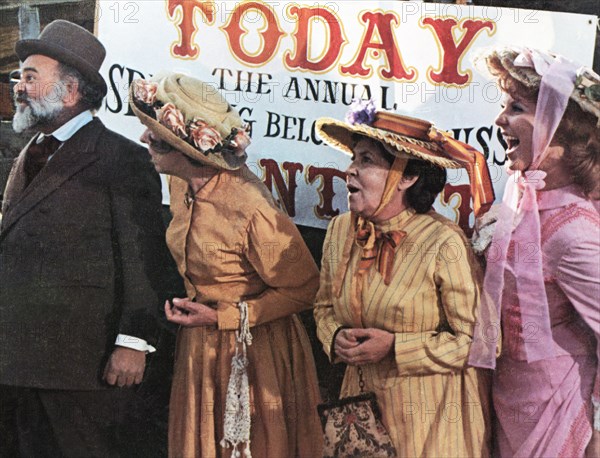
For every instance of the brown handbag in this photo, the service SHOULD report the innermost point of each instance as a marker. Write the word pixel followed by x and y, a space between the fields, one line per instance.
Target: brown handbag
pixel 352 427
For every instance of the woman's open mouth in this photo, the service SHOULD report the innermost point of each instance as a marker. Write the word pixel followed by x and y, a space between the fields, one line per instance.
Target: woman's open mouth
pixel 351 189
pixel 511 141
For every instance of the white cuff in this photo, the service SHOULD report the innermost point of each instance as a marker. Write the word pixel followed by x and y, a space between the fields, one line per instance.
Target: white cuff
pixel 596 414
pixel 134 343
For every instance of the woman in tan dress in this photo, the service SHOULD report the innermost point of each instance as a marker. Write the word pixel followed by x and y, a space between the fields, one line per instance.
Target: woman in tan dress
pixel 233 247
pixel 399 285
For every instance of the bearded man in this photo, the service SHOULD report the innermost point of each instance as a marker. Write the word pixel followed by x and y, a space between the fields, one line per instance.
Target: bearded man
pixel 82 256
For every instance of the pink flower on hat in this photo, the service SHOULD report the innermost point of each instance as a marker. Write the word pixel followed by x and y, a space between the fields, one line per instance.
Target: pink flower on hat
pixel 240 142
pixel 203 136
pixel 172 118
pixel 198 123
pixel 361 112
pixel 145 91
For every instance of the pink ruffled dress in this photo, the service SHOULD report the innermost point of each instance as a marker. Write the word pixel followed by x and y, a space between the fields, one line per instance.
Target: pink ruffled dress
pixel 545 408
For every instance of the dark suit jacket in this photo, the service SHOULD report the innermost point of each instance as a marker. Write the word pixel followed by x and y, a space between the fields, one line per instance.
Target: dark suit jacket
pixel 82 257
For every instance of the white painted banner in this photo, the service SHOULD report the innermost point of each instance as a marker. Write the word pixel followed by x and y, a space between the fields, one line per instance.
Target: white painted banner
pixel 284 64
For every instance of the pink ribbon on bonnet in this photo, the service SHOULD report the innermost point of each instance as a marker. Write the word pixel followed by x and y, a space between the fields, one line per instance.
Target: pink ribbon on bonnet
pixel 557 83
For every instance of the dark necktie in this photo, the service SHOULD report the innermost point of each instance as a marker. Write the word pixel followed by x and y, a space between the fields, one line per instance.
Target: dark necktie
pixel 38 154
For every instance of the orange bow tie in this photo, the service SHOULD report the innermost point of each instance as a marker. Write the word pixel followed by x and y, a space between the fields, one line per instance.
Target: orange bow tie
pixel 377 246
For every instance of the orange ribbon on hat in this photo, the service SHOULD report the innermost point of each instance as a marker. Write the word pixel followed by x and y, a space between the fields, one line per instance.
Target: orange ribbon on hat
pixel 482 191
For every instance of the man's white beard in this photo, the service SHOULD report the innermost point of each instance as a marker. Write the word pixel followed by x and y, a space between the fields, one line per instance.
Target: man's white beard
pixel 38 112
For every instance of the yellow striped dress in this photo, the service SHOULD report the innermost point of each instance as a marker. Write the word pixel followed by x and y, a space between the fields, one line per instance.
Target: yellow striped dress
pixel 432 403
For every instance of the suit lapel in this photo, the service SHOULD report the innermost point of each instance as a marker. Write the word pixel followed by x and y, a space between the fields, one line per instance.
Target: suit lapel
pixel 74 155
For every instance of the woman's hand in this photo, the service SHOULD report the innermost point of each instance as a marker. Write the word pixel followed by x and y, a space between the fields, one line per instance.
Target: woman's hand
pixel 485 226
pixel 358 346
pixel 190 314
pixel 344 341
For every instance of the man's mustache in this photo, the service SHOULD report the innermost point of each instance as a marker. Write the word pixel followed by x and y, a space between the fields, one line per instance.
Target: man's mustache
pixel 21 98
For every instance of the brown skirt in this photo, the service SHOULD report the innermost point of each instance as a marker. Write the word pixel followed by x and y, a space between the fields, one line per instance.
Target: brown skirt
pixel 283 392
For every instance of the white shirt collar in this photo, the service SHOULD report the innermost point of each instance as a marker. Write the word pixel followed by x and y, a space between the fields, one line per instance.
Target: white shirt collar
pixel 68 129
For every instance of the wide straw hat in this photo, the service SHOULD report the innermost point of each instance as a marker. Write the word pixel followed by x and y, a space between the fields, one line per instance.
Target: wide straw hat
pixel 586 91
pixel 404 136
pixel 192 117
pixel 69 44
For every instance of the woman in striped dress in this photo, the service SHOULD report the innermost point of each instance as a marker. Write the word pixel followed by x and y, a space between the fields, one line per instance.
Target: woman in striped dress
pixel 399 287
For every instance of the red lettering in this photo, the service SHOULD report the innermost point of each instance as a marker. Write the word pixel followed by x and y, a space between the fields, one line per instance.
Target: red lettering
pixel 452 51
pixel 270 35
pixel 287 195
pixel 464 207
pixel 386 42
pixel 187 25
pixel 325 190
pixel 302 43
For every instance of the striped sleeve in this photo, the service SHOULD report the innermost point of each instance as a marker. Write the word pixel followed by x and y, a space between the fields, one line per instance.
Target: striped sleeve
pixel 325 318
pixel 446 349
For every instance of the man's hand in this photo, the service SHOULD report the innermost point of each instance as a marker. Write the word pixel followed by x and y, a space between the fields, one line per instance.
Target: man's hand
pixel 358 346
pixel 125 367
pixel 190 314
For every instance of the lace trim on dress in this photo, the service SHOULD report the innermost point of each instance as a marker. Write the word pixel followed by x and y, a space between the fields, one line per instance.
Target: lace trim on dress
pixel 237 402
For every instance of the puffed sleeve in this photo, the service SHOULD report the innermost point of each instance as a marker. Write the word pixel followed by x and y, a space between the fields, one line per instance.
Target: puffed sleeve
pixel 327 324
pixel 445 350
pixel 578 275
pixel 281 259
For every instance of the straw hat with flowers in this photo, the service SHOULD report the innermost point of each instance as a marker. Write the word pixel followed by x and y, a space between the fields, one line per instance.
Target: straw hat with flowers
pixel 401 136
pixel 192 117
pixel 410 138
pixel 586 90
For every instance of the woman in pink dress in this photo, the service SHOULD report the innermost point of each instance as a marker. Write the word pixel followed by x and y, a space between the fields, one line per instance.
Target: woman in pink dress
pixel 543 265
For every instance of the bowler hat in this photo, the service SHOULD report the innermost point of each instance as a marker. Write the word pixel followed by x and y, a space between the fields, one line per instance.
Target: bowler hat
pixel 69 44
